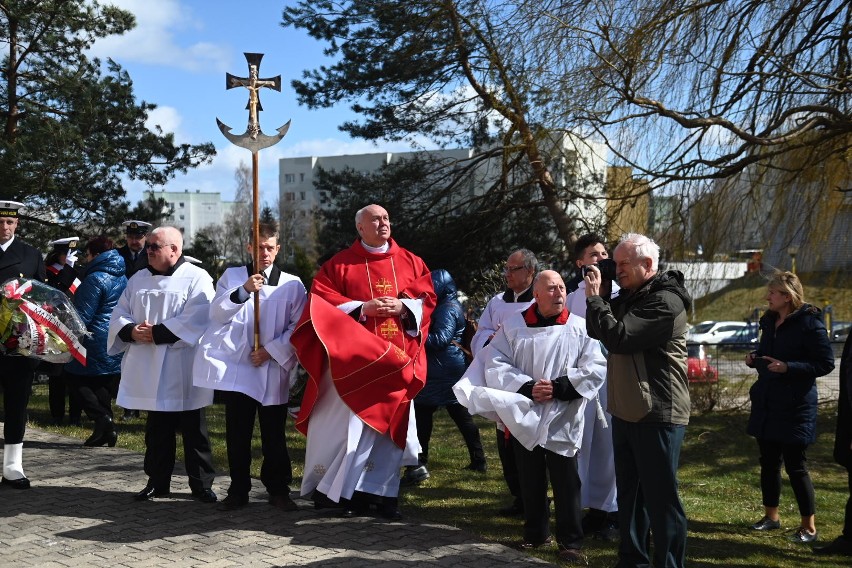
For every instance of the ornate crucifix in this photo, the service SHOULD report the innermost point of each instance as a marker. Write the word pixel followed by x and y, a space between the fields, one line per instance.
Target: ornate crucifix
pixel 254 140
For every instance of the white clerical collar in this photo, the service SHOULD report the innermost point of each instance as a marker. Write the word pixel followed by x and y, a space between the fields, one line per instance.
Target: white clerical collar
pixel 5 246
pixel 374 250
pixel 519 294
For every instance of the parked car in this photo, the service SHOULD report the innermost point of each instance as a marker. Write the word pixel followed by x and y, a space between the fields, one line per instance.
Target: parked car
pixel 840 330
pixel 713 331
pixel 698 367
pixel 745 339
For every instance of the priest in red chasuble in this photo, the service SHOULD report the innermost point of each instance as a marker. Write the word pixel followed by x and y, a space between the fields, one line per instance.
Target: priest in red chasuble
pixel 362 341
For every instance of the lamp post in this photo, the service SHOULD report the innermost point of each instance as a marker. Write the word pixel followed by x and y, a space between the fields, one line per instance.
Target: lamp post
pixel 793 250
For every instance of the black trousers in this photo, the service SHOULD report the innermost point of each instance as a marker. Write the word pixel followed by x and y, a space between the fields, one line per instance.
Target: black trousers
pixel 161 443
pixel 58 390
pixel 16 379
pixel 95 393
pixel 847 519
pixel 772 455
pixel 534 467
pixel 423 415
pixel 510 469
pixel 276 472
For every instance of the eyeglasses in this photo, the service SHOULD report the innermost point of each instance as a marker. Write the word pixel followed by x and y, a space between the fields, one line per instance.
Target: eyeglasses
pixel 510 269
pixel 155 247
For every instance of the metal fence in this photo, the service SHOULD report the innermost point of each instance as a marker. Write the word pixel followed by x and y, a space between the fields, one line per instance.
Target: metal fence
pixel 735 378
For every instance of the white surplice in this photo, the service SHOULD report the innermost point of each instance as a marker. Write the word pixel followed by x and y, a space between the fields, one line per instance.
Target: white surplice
pixel 495 313
pixel 159 377
pixel 596 462
pixel 519 354
pixel 222 360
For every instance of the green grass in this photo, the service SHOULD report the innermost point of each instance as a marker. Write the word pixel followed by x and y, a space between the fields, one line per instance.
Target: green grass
pixel 718 474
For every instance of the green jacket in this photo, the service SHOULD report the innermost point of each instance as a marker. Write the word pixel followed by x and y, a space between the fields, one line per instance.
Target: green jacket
pixel 645 334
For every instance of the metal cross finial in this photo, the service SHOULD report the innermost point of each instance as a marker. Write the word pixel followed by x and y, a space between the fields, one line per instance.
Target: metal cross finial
pixel 253 138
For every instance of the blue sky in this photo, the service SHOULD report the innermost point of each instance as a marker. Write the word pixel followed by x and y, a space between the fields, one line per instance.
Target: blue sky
pixel 177 57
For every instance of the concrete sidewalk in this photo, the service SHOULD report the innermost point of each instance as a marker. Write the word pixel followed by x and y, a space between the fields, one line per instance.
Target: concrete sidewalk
pixel 79 512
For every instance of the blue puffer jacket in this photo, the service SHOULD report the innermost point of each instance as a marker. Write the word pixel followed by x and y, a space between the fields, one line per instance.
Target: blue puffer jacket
pixel 445 360
pixel 784 405
pixel 95 299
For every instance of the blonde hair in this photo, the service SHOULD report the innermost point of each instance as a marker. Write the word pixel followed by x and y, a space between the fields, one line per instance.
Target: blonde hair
pixel 788 283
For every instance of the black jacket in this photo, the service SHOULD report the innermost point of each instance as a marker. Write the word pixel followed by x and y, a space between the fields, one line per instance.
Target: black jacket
pixel 131 267
pixel 784 405
pixel 21 260
pixel 645 334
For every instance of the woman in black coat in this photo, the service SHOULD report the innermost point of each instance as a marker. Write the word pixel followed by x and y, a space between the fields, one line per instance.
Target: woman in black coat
pixel 794 350
pixel 446 365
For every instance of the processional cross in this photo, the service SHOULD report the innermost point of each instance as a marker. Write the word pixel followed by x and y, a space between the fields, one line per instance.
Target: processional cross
pixel 254 140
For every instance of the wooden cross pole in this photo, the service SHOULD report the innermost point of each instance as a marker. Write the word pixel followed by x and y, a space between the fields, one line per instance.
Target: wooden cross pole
pixel 254 140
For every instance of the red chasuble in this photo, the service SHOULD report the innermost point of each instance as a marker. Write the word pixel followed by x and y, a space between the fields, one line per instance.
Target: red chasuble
pixel 377 368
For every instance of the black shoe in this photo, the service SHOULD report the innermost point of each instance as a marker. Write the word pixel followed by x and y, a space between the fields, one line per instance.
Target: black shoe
pixel 802 536
pixel 283 502
pixel 528 545
pixel 414 475
pixel 478 467
pixel 766 524
pixel 234 502
pixel 103 434
pixel 839 546
pixel 205 496
pixel 350 512
pixel 22 483
pixel 149 492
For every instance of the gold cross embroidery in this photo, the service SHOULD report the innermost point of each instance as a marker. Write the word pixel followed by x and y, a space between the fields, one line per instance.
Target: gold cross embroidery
pixel 400 354
pixel 389 329
pixel 384 287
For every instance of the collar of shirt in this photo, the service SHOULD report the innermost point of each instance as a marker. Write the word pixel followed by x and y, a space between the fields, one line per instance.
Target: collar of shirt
pixel 5 246
pixel 534 319
pixel 168 272
pixel 376 250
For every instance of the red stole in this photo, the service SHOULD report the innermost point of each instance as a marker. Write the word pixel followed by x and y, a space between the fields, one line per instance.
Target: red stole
pixel 376 367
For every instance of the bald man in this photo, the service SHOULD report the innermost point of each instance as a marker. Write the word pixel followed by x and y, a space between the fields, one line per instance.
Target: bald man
pixel 157 324
pixel 536 376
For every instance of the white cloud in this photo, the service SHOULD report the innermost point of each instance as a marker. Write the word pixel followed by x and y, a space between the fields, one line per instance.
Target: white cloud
pixel 156 39
pixel 168 119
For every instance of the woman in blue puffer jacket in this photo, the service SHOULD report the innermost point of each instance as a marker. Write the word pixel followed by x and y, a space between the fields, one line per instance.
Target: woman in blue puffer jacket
pixel 97 381
pixel 446 365
pixel 794 350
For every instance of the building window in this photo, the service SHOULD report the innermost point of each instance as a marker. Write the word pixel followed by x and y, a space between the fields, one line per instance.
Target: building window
pixel 289 178
pixel 302 177
pixel 289 196
pixel 181 217
pixel 302 195
pixel 180 204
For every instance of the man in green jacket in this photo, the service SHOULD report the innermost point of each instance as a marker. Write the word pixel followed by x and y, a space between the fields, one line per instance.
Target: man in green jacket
pixel 644 331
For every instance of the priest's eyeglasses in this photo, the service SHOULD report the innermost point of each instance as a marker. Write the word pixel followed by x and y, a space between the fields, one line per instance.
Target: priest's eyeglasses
pixel 510 269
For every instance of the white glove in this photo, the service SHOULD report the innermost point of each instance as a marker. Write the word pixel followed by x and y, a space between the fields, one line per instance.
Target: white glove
pixel 71 258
